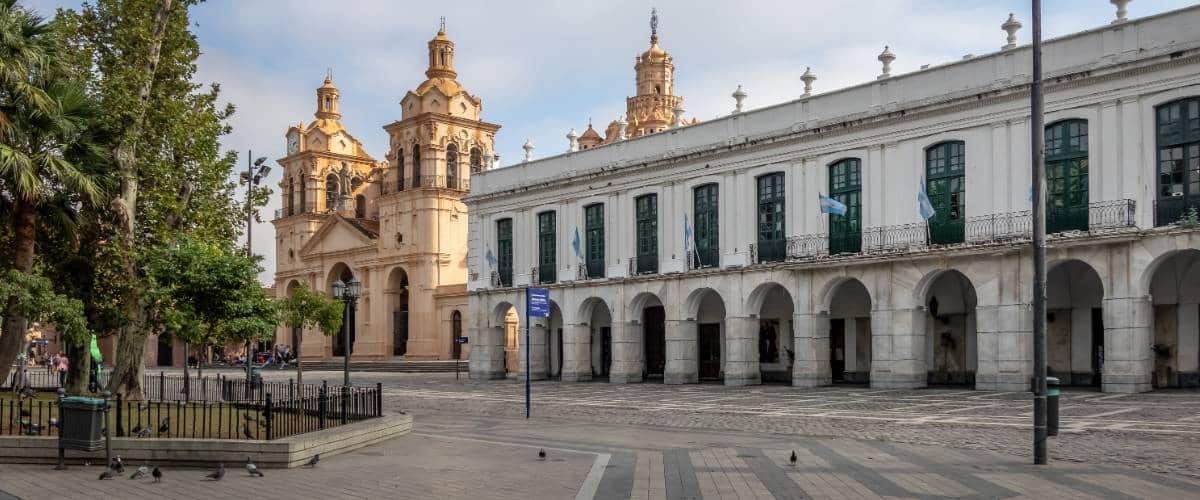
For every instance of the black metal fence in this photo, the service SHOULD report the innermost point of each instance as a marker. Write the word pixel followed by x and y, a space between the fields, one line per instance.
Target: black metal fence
pixel 295 409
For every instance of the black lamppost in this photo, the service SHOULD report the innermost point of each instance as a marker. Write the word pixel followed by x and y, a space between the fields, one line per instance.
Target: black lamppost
pixel 254 175
pixel 349 293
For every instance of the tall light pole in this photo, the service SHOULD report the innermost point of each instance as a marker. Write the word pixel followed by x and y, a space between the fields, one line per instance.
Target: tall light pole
pixel 349 293
pixel 254 175
pixel 1036 143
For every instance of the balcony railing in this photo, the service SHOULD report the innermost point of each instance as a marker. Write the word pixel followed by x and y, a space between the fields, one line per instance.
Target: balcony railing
pixel 1169 211
pixel 545 273
pixel 979 230
pixel 644 264
pixel 770 251
pixel 595 268
pixel 438 182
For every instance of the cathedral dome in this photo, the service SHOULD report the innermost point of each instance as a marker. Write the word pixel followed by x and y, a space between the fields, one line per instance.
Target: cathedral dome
pixel 655 53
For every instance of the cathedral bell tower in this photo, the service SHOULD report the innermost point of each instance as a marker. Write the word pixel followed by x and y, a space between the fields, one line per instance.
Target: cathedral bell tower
pixel 652 109
pixel 327 100
pixel 441 55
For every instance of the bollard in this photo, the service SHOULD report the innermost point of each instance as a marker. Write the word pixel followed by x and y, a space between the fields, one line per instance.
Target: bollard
pixel 1052 385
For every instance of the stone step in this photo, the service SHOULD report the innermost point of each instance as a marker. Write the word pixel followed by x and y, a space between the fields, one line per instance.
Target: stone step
pixel 388 366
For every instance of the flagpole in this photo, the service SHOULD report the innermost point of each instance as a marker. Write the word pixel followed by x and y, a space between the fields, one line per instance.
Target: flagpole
pixel 1037 139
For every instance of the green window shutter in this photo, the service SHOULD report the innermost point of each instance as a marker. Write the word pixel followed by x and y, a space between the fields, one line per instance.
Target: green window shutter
pixel 1178 169
pixel 845 186
pixel 772 243
pixel 594 229
pixel 945 183
pixel 706 230
pixel 547 248
pixel 1067 176
pixel 504 251
pixel 647 233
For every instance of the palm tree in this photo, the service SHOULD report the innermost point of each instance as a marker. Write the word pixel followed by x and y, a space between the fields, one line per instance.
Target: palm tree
pixel 44 123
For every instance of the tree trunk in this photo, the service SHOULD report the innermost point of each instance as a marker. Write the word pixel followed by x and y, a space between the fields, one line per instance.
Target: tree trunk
pixel 130 363
pixel 79 367
pixel 297 337
pixel 12 339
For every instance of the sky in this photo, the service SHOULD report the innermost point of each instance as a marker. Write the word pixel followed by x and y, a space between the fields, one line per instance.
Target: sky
pixel 544 67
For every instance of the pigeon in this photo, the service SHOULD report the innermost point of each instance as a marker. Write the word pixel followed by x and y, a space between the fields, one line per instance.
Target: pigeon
pixel 144 433
pixel 541 454
pixel 136 430
pixel 157 475
pixel 218 474
pixel 246 430
pixel 140 472
pixel 118 465
pixel 792 460
pixel 107 474
pixel 28 393
pixel 165 426
pixel 252 469
pixel 313 461
pixel 53 422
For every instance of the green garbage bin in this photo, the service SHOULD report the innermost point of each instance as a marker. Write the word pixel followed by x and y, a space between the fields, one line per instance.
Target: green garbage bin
pixel 256 377
pixel 1052 389
pixel 82 426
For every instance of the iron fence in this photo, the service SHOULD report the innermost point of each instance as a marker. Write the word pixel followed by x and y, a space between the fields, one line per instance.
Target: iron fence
pixel 270 417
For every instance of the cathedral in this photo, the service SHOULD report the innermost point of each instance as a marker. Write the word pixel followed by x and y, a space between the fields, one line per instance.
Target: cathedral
pixel 398 226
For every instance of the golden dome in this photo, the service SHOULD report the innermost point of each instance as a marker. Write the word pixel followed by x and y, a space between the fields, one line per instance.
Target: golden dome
pixel 655 53
pixel 447 86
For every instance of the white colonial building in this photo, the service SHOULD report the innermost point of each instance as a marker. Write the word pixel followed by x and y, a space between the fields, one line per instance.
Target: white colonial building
pixel 700 252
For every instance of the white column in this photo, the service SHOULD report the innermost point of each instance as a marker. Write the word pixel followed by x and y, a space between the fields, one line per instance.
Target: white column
pixel 683 364
pixel 741 351
pixel 811 366
pixel 536 349
pixel 627 353
pixel 999 170
pixel 577 356
pixel 1105 183
pixel 898 349
pixel 1128 361
pixel 487 353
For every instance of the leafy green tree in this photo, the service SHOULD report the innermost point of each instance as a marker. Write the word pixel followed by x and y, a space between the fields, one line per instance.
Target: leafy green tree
pixel 46 119
pixel 36 299
pixel 305 308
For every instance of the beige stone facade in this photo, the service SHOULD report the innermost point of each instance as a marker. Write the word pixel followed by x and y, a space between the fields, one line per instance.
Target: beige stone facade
pixel 399 226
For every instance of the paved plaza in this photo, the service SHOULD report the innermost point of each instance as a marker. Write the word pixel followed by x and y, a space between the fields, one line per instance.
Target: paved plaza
pixel 647 441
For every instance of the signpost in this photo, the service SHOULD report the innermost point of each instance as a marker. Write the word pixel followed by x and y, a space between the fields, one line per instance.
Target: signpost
pixel 457 359
pixel 537 305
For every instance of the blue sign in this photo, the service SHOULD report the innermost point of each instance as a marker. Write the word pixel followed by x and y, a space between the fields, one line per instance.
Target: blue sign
pixel 538 302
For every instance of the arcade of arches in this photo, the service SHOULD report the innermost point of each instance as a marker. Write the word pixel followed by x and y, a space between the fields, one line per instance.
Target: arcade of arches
pixel 1124 318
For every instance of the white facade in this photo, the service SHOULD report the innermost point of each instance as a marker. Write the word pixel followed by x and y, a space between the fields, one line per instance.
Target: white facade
pixel 898 312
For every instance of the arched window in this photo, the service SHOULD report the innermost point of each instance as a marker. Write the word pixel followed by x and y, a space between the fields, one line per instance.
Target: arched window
pixel 291 196
pixel 400 168
pixel 303 196
pixel 360 206
pixel 945 184
pixel 476 160
pixel 1067 176
pixel 331 192
pixel 328 102
pixel 452 166
pixel 416 166
pixel 456 333
pixel 1178 185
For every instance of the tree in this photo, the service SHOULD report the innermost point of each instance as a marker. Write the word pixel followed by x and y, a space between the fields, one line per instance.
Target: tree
pixel 36 299
pixel 45 119
pixel 305 308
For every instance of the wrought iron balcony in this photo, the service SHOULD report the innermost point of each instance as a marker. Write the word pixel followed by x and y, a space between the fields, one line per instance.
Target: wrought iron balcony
pixel 595 268
pixel 1169 211
pixel 545 273
pixel 643 264
pixel 979 230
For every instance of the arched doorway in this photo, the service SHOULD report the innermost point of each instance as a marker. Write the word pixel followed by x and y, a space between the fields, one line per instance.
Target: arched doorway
pixel 650 335
pixel 1074 323
pixel 554 345
pixel 951 351
pixel 398 292
pixel 708 309
pixel 455 334
pixel 850 332
pixel 599 320
pixel 1175 290
pixel 512 341
pixel 775 343
pixel 342 272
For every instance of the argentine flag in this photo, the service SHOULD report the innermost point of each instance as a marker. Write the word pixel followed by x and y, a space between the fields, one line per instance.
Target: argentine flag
pixel 687 232
pixel 575 244
pixel 490 257
pixel 924 207
pixel 831 206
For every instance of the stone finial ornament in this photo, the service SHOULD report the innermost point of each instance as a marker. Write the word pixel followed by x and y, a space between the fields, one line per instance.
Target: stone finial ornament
pixel 678 111
pixel 808 78
pixel 1121 11
pixel 738 95
pixel 886 57
pixel 528 147
pixel 621 125
pixel 1011 26
pixel 573 139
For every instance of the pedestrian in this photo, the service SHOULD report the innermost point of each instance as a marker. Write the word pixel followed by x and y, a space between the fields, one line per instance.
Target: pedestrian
pixel 52 365
pixel 62 370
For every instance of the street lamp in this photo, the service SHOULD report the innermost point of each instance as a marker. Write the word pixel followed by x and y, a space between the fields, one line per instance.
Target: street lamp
pixel 255 173
pixel 349 293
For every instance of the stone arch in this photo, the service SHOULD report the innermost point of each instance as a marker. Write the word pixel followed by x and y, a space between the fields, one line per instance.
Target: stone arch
pixel 946 317
pixel 506 327
pixel 706 316
pixel 847 316
pixel 1174 289
pixel 596 314
pixel 1074 322
pixel 773 306
pixel 645 355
